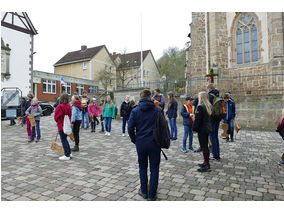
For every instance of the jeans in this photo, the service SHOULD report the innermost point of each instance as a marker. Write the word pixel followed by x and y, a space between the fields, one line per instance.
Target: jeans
pixel 187 131
pixel 85 114
pixel 230 122
pixel 124 121
pixel 148 150
pixel 215 139
pixel 65 143
pixel 37 129
pixel 102 123
pixel 108 124
pixel 75 130
pixel 173 125
pixel 24 121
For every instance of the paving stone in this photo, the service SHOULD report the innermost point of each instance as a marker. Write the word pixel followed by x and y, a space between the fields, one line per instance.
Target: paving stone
pixel 254 193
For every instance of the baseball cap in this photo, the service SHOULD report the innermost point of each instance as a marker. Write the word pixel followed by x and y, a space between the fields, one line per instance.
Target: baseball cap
pixel 189 98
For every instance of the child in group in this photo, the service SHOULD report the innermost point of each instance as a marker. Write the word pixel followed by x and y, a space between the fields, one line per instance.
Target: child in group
pixel 27 105
pixel 35 110
pixel 125 110
pixel 132 105
pixel 93 112
pixel 61 110
pixel 101 114
pixel 172 115
pixel 108 114
pixel 76 120
pixel 280 129
pixel 187 115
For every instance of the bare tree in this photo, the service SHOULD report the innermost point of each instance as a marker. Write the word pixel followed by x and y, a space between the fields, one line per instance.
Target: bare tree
pixel 105 77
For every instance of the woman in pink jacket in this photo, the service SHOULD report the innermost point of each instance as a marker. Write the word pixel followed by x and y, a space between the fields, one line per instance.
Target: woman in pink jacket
pixel 93 113
pixel 101 114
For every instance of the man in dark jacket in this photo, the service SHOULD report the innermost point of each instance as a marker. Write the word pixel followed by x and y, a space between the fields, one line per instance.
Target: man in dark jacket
pixel 125 110
pixel 215 122
pixel 140 127
pixel 230 116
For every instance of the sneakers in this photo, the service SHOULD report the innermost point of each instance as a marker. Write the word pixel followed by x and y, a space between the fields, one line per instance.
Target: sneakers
pixel 106 133
pixel 123 134
pixel 152 199
pixel 142 194
pixel 37 140
pixel 215 158
pixel 75 149
pixel 64 158
pixel 184 150
pixel 194 150
pixel 30 140
pixel 282 162
pixel 204 169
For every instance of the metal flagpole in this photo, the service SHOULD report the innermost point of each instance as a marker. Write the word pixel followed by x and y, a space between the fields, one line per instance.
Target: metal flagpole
pixel 141 67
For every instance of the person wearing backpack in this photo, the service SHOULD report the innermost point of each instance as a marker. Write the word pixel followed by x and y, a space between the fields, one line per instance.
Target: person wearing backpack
pixel 172 115
pixel 218 110
pixel 187 115
pixel 230 115
pixel 141 126
pixel 280 130
pixel 202 126
pixel 61 111
pixel 76 120
pixel 108 114
pixel 35 110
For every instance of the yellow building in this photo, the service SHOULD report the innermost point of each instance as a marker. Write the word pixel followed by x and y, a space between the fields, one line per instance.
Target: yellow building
pixel 128 73
pixel 89 63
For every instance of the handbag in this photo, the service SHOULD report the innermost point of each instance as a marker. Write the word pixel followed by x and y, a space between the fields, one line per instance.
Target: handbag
pixel 66 124
pixel 55 147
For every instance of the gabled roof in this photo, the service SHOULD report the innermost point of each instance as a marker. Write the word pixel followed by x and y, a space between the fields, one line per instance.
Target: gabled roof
pixel 79 55
pixel 19 21
pixel 132 59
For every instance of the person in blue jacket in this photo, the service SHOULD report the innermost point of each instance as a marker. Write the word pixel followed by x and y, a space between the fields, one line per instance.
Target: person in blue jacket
pixel 172 115
pixel 140 128
pixel 187 115
pixel 230 115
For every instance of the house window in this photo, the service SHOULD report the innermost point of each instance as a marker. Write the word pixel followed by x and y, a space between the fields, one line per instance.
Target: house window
pixel 68 88
pixel 94 89
pixel 49 86
pixel 80 89
pixel 84 65
pixel 246 40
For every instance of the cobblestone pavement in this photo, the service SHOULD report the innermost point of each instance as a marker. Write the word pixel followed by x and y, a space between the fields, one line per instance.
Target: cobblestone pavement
pixel 106 168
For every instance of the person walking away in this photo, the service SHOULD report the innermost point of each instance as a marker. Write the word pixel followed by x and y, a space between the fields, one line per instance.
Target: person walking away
pixel 215 123
pixel 27 105
pixel 230 116
pixel 61 110
pixel 172 115
pixel 108 114
pixel 203 127
pixel 23 104
pixel 125 110
pixel 76 120
pixel 85 102
pixel 160 98
pixel 35 110
pixel 140 127
pixel 101 114
pixel 280 129
pixel 93 112
pixel 187 115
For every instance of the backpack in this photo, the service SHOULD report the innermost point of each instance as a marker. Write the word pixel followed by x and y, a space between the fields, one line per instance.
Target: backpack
pixel 161 132
pixel 66 124
pixel 218 107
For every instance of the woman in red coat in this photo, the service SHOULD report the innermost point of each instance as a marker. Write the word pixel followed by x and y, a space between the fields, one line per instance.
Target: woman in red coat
pixel 61 110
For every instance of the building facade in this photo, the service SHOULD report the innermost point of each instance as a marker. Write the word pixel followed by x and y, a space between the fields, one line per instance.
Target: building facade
pixel 17 49
pixel 236 44
pixel 48 87
pixel 129 70
pixel 93 64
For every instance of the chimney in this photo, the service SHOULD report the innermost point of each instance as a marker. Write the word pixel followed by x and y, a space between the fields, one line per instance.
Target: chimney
pixel 83 48
pixel 114 53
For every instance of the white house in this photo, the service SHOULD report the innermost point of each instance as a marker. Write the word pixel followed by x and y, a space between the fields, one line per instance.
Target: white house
pixel 17 33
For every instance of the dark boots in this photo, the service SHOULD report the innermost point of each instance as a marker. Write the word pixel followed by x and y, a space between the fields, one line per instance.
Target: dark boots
pixel 75 149
pixel 205 166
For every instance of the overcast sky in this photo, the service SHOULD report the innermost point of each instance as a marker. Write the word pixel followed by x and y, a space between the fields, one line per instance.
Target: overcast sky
pixel 117 24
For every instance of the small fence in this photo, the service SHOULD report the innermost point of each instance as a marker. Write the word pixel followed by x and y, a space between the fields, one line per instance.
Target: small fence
pixel 238 85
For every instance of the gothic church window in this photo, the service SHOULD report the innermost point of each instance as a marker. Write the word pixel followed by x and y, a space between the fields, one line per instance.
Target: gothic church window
pixel 246 40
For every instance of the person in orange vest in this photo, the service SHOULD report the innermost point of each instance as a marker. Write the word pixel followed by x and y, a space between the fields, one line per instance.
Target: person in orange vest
pixel 187 113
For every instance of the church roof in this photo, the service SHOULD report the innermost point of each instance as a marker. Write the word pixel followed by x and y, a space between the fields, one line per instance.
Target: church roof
pixel 131 59
pixel 79 55
pixel 19 21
